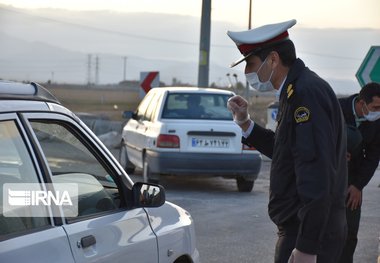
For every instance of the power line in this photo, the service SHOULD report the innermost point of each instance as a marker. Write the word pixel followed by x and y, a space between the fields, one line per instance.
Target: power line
pixel 329 56
pixel 114 32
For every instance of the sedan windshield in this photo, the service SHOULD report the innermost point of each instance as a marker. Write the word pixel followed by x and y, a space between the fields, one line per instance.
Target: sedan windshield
pixel 205 106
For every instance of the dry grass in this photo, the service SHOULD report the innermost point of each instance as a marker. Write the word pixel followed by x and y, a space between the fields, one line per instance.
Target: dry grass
pixel 111 101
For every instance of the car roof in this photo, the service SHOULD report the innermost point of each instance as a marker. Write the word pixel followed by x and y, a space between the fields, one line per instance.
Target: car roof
pixel 32 91
pixel 194 90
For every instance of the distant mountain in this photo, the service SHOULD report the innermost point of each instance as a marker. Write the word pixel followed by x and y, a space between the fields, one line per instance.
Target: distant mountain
pixel 55 44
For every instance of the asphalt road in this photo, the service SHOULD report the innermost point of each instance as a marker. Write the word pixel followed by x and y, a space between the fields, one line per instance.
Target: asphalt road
pixel 234 227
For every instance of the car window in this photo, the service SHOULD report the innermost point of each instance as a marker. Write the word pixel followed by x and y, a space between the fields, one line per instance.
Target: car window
pixel 16 167
pixel 151 108
pixel 196 106
pixel 157 110
pixel 141 109
pixel 70 161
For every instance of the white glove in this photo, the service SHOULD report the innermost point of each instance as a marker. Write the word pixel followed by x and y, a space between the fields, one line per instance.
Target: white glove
pixel 239 108
pixel 300 257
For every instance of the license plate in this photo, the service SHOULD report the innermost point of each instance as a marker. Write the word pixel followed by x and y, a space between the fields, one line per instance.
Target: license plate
pixel 210 143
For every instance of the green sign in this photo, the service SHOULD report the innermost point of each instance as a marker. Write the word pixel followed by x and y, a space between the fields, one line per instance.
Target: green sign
pixel 369 70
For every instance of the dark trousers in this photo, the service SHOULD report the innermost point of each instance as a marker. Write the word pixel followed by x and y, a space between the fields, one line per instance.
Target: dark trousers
pixel 331 246
pixel 286 242
pixel 353 221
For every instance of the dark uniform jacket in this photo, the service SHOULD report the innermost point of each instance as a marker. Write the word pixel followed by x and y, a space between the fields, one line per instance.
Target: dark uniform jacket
pixel 308 178
pixel 365 157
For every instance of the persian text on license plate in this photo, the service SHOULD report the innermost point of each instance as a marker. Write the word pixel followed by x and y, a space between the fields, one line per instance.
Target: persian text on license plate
pixel 210 143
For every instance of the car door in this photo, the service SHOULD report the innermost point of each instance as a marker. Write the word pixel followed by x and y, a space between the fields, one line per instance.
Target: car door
pixel 104 230
pixel 24 236
pixel 136 129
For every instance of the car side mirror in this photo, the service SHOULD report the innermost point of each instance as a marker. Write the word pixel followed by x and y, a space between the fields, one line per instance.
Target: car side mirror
pixel 148 195
pixel 129 115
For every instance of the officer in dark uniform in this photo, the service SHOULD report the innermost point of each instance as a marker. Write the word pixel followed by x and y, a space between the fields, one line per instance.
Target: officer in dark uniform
pixel 309 169
pixel 362 115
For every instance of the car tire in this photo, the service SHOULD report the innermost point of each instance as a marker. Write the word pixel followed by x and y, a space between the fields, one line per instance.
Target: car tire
pixel 146 173
pixel 244 185
pixel 124 161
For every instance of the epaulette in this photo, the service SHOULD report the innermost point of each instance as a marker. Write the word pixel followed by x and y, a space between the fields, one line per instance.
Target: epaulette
pixel 289 90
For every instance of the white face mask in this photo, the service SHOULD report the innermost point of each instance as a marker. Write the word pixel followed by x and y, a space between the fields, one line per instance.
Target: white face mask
pixel 372 115
pixel 254 81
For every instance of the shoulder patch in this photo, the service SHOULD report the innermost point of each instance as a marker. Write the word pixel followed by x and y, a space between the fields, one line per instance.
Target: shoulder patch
pixel 289 90
pixel 301 114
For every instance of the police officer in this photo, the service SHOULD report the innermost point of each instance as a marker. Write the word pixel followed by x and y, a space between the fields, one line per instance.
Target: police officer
pixel 308 150
pixel 362 115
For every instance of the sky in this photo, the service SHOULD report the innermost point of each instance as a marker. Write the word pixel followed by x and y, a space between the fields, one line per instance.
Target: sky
pixel 309 13
pixel 335 54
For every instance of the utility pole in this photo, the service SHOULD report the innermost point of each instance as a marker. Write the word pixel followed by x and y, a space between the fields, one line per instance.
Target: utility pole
pixel 204 45
pixel 250 14
pixel 89 69
pixel 249 27
pixel 236 79
pixel 97 70
pixel 125 68
pixel 230 86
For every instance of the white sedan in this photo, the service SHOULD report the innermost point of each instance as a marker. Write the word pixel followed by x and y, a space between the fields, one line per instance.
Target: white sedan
pixel 64 198
pixel 187 131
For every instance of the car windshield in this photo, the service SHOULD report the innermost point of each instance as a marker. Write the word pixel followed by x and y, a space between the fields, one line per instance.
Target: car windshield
pixel 205 106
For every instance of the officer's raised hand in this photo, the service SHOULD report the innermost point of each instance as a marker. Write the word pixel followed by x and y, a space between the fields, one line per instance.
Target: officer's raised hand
pixel 239 108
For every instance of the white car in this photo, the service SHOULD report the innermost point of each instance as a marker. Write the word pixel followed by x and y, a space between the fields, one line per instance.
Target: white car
pixel 44 144
pixel 187 131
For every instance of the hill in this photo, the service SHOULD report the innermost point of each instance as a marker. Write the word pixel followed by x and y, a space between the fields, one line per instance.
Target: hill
pixel 54 44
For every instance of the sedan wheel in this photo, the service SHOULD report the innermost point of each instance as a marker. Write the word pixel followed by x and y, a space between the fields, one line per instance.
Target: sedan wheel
pixel 244 185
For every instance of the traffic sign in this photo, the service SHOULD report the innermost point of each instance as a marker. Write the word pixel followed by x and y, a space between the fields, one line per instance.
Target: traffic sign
pixel 369 70
pixel 148 80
